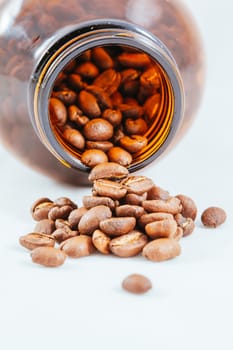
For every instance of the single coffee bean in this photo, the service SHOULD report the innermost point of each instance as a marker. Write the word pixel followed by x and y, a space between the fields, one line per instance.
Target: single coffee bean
pixel 90 221
pixel 109 171
pixel 87 70
pixel 45 226
pixel 161 249
pixel 161 229
pixel 189 208
pixel 130 110
pixel 179 234
pixel 41 208
pixel 93 157
pixel 113 116
pixel 152 217
pixel 76 116
pixel 104 146
pixel 101 57
pixel 67 96
pixel 137 184
pixel 129 75
pixel 134 60
pixel 128 245
pixel 57 112
pixel 135 126
pixel 151 106
pixel 60 212
pixel 187 224
pixel 98 130
pixel 130 88
pixel 171 206
pixel 64 201
pixel 133 143
pixel 76 82
pixel 135 199
pixel 101 242
pixel 34 240
pixel 62 234
pixel 78 247
pixel 94 201
pixel 48 256
pixel 130 210
pixel 75 217
pixel 157 193
pixel 150 79
pixel 74 138
pixel 213 217
pixel 60 223
pixel 109 80
pixel 108 188
pixel 102 97
pixel 136 284
pixel 89 104
pixel 117 226
pixel 120 156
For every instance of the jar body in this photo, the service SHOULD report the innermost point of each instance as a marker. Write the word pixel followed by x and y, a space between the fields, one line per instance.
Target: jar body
pixel 24 32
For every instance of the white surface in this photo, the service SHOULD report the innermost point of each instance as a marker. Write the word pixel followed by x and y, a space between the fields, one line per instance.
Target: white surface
pixel 81 305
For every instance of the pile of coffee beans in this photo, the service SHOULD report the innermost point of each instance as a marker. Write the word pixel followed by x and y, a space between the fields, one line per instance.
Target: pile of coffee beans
pixel 125 215
pixel 104 102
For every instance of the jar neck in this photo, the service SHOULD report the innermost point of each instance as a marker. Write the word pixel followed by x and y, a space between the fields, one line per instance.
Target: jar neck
pixel 71 42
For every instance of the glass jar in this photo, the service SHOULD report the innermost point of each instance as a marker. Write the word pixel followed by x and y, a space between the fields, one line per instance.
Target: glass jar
pixel 43 43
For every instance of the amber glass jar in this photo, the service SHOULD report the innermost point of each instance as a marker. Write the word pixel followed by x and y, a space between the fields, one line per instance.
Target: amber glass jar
pixel 43 42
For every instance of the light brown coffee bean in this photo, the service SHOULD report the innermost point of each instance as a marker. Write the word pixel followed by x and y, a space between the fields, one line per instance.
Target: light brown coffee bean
pixel 101 57
pixel 34 240
pixel 130 210
pixel 148 218
pixel 136 284
pixel 128 245
pixel 89 104
pixel 75 217
pixel 135 126
pixel 133 143
pixel 94 201
pixel 109 80
pixel 213 217
pixel 101 242
pixel 104 146
pixel 87 70
pixel 135 199
pixel 76 82
pixel 62 234
pixel 117 226
pixel 187 224
pixel 113 116
pixel 60 212
pixel 189 208
pixel 171 206
pixel 45 226
pixel 120 156
pixel 151 106
pixel 57 111
pixel 75 138
pixel 179 234
pixel 78 247
pixel 98 130
pixel 150 79
pixel 41 208
pixel 64 201
pixel 161 249
pixel 108 188
pixel 76 116
pixel 48 256
pixel 92 157
pixel 67 96
pixel 90 221
pixel 134 60
pixel 161 229
pixel 157 193
pixel 137 184
pixel 61 223
pixel 102 97
pixel 109 171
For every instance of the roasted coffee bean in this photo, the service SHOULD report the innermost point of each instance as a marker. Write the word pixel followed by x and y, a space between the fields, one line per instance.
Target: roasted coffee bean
pixel 135 199
pixel 48 256
pixel 157 193
pixel 75 217
pixel 150 79
pixel 131 110
pixel 187 224
pixel 94 201
pixel 120 156
pixel 137 184
pixel 64 201
pixel 60 223
pixel 134 60
pixel 89 104
pixel 101 242
pixel 104 146
pixel 128 245
pixel 101 57
pixel 151 106
pixel 130 88
pixel 109 81
pixel 45 226
pixel 60 212
pixel 133 143
pixel 113 116
pixel 57 112
pixel 108 188
pixel 102 97
pixel 75 138
pixel 90 221
pixel 41 208
pixel 78 247
pixel 130 210
pixel 161 229
pixel 179 234
pixel 67 96
pixel 213 217
pixel 62 234
pixel 135 126
pixel 171 206
pixel 76 116
pixel 34 240
pixel 76 81
pixel 129 75
pixel 189 208
pixel 136 284
pixel 148 218
pixel 87 70
pixel 161 249
pixel 109 171
pixel 93 157
pixel 117 226
pixel 118 134
pixel 116 99
pixel 98 130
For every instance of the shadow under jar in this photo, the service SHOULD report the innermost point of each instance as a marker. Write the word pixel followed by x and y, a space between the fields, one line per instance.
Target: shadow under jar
pixel 77 74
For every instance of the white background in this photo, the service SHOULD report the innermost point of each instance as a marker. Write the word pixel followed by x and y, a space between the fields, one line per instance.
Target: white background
pixel 81 304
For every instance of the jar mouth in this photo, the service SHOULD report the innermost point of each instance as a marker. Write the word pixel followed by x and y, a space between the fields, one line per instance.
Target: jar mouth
pixel 168 106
